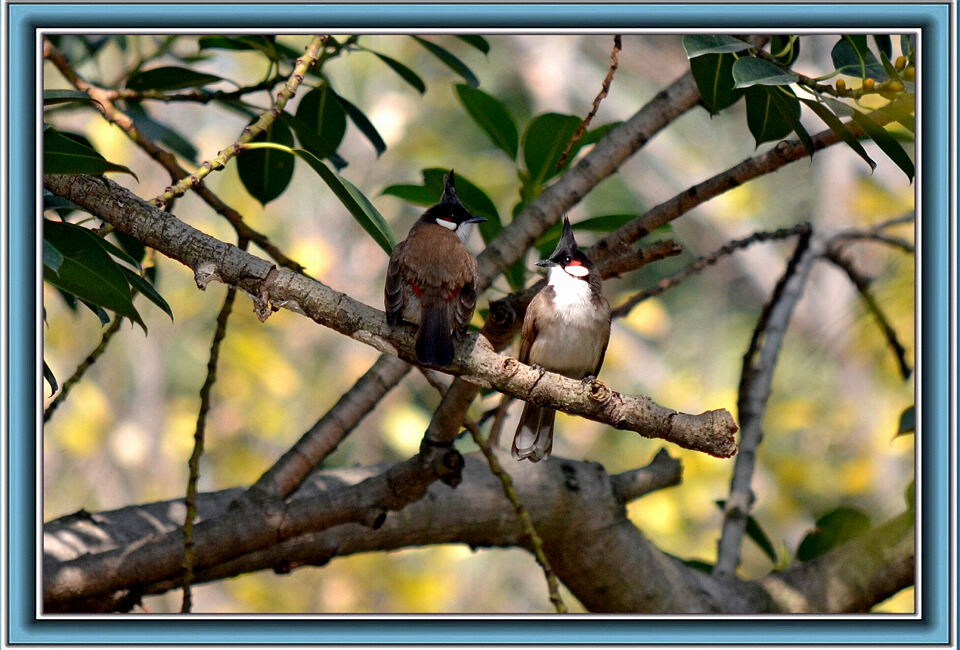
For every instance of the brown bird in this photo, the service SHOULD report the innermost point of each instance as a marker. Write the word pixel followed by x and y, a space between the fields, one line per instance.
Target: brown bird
pixel 565 330
pixel 432 277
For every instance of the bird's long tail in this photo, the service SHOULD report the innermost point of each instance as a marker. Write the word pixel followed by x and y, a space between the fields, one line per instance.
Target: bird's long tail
pixel 434 343
pixel 534 437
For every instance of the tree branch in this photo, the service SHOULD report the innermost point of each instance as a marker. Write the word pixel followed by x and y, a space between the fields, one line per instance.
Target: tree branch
pixel 576 507
pixel 756 379
pixel 272 288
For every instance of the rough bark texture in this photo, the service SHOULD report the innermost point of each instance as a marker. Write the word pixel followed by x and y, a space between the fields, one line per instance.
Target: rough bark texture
pixel 272 288
pixel 577 508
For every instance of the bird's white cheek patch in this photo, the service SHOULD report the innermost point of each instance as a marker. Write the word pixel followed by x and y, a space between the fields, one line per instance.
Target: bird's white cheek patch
pixel 449 225
pixel 577 271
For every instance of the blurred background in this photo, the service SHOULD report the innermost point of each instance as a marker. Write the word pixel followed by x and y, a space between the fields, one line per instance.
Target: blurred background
pixel 125 434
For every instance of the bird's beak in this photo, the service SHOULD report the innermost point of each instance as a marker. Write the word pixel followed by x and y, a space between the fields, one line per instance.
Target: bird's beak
pixel 475 219
pixel 546 263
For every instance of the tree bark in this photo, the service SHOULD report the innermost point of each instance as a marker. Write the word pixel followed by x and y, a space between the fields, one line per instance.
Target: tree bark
pixel 577 508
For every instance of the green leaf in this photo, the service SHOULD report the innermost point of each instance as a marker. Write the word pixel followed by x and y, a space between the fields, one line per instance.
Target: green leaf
pixel 492 116
pixel 321 121
pixel 902 110
pixel 476 41
pixel 263 44
pixel 365 125
pixel 51 97
pixel 158 131
pixel 170 77
pixel 265 173
pixel 749 71
pixel 764 118
pixel 547 242
pixel 355 201
pixel 907 424
pixel 755 532
pixel 786 49
pixel 699 44
pixel 544 141
pixel 48 375
pixel 473 198
pixel 51 256
pixel 910 494
pixel 851 57
pixel 87 271
pixel 838 127
pixel 884 44
pixel 415 194
pixel 53 202
pixel 450 61
pixel 832 529
pixel 908 44
pixel 886 142
pixel 64 155
pixel 714 76
pixel 405 73
pixel 147 290
pixel 786 102
pixel 593 136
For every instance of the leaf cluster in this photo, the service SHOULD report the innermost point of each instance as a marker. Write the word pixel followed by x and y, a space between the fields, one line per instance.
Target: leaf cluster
pixel 729 68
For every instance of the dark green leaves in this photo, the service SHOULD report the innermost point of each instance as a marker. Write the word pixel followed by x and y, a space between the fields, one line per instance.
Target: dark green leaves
pixel 886 142
pixel 51 97
pixel 714 76
pixel 357 204
pixel 832 529
pixel 321 121
pixel 765 115
pixel 265 173
pixel 473 198
pixel 405 73
pixel 839 128
pixel 544 142
pixel 852 57
pixel 170 78
pixel 492 116
pixel 908 422
pixel 700 44
pixel 65 155
pixel 450 61
pixel 756 533
pixel 749 71
pixel 83 267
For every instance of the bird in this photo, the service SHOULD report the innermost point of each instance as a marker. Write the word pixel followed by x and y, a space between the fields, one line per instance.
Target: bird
pixel 566 330
pixel 432 277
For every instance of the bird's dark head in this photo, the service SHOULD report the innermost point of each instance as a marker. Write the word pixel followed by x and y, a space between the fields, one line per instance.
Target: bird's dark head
pixel 450 212
pixel 568 255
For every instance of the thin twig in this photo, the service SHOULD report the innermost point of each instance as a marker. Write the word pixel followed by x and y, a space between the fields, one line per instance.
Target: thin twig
pixel 167 160
pixel 862 283
pixel 526 523
pixel 605 88
pixel 83 367
pixel 198 443
pixel 250 132
pixel 702 263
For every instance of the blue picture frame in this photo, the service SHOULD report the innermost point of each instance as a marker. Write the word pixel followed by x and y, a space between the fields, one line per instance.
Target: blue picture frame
pixel 937 572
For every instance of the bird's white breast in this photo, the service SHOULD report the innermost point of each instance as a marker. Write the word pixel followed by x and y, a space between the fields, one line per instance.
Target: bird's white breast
pixel 572 336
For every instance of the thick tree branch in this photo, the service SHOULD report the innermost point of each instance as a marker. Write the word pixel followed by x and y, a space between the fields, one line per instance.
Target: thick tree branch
pixel 576 507
pixel 272 288
pixel 756 380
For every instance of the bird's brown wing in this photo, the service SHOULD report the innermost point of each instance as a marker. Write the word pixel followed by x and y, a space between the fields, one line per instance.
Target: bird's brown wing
pixel 393 287
pixel 529 332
